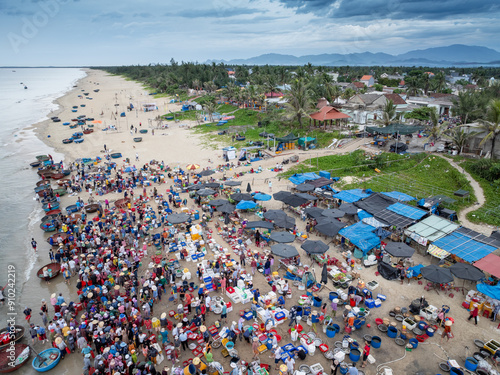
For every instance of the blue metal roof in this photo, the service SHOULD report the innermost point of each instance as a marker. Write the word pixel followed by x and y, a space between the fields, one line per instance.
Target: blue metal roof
pixel 464 247
pixel 407 211
pixel 351 196
pixel 361 235
pixel 399 196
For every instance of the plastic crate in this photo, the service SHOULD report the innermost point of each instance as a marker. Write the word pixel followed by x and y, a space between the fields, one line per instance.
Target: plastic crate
pixel 382 297
pixel 378 303
pixel 248 316
pixel 280 315
pixel 370 303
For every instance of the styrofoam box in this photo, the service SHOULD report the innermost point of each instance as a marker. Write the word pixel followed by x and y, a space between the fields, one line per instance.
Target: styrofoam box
pixel 371 359
pixel 381 297
pixel 378 303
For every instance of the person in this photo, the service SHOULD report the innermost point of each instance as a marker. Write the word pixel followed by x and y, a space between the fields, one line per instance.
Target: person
pixel 402 275
pixel 440 317
pixel 136 156
pixel 255 348
pixel 290 363
pixel 270 186
pixel 223 316
pixel 257 238
pixel 301 354
pixel 496 310
pixel 353 370
pixel 447 331
pixel 33 244
pixel 277 357
pixel 334 367
pixel 366 353
pixel 253 265
pixel 86 364
pixel 474 313
pixel 27 314
pixel 334 307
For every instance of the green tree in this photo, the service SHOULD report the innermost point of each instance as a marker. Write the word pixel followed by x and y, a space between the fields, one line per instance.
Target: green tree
pixel 491 124
pixel 378 87
pixel 436 129
pixel 298 100
pixel 466 107
pixel 348 93
pixel 459 137
pixel 389 114
pixel 412 84
pixel 210 107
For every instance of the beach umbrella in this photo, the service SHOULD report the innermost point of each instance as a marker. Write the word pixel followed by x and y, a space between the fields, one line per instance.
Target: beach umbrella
pixel 294 201
pixel 285 222
pixel 232 183
pixel 280 195
pixel 333 212
pixel 437 274
pixel 282 237
pixel 246 205
pixel 349 208
pixel 206 172
pixel 211 185
pixel 305 187
pixel 315 247
pixel 466 271
pixel 274 214
pixel 226 208
pixel 260 224
pixel 314 212
pixel 192 167
pixel 262 197
pixel 205 192
pixel 284 251
pixel 218 202
pixel 241 197
pixel 309 197
pixel 326 219
pixel 399 249
pixel 330 229
pixel 249 188
pixel 194 187
pixel 177 218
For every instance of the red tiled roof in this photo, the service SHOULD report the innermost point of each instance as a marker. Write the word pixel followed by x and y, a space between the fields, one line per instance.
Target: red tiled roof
pixel 328 113
pixel 359 85
pixel 396 99
pixel 366 78
pixel 274 94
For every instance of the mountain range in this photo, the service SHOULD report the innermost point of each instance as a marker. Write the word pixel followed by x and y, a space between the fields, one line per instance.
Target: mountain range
pixel 454 55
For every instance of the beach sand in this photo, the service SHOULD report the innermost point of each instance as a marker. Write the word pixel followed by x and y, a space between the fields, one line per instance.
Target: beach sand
pixel 178 146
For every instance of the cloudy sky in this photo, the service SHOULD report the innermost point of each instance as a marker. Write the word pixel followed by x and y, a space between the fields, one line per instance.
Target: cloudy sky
pixel 112 32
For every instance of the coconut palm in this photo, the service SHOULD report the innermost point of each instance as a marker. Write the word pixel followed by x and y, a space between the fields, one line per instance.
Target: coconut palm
pixel 459 137
pixel 389 114
pixel 333 92
pixel 436 129
pixel 348 93
pixel 491 124
pixel 412 86
pixel 466 107
pixel 196 84
pixel 299 101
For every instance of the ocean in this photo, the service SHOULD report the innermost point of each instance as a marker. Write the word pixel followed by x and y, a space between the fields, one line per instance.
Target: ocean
pixel 20 214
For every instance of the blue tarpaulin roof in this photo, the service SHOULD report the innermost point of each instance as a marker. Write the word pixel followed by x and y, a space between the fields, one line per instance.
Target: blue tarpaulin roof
pixel 416 269
pixel 299 178
pixel 362 214
pixel 361 235
pixel 399 196
pixel 407 211
pixel 351 196
pixel 489 290
pixel 464 247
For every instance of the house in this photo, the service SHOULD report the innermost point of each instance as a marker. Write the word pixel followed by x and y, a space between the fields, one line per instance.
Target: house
pixel 392 76
pixel 334 76
pixel 365 108
pixel 356 86
pixel 329 115
pixel 368 80
pixel 273 94
pixel 443 104
pixel 230 73
pixel 398 101
pixel 474 145
pixel 322 103
pixel 453 77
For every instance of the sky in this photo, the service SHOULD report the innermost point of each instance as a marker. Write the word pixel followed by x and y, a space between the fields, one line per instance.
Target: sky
pixel 126 32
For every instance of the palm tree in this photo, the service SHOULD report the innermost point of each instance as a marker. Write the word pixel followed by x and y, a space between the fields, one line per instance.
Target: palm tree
pixel 389 114
pixel 298 100
pixel 459 137
pixel 210 108
pixel 436 129
pixel 333 92
pixel 439 82
pixel 412 86
pixel 348 93
pixel 491 124
pixel 196 84
pixel 466 106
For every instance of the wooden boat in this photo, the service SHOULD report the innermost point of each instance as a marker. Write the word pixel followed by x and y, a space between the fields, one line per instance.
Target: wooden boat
pixel 72 208
pixel 45 172
pixel 67 140
pixel 21 353
pixel 43 182
pixel 42 157
pixel 63 181
pixel 116 155
pixel 50 206
pixel 96 90
pixel 66 172
pixel 48 226
pixel 82 105
pixel 54 237
pixel 48 200
pixel 18 334
pixel 93 207
pixel 88 131
pixel 57 120
pixel 35 164
pixel 137 139
pixel 61 192
pixel 66 123
pixel 73 218
pixel 143 131
pixel 41 188
pixel 79 140
pixel 46 360
pixel 55 269
pixel 122 203
pixel 53 212
pixel 240 138
pixel 57 176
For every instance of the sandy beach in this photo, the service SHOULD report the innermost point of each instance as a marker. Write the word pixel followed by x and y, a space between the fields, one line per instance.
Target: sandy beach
pixel 178 145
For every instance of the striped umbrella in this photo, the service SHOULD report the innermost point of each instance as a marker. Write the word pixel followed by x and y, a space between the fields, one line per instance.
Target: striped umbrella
pixel 192 167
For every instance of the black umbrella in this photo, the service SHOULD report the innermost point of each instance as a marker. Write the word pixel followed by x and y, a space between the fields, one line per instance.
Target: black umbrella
pixel 309 197
pixel 437 274
pixel 349 208
pixel 399 249
pixel 226 208
pixel 466 271
pixel 280 195
pixel 284 251
pixel 326 219
pixel 282 237
pixel 241 197
pixel 205 192
pixel 218 202
pixel 211 185
pixel 274 214
pixel 330 229
pixel 260 224
pixel 249 188
pixel 285 222
pixel 177 218
pixel 294 201
pixel 195 187
pixel 206 172
pixel 333 212
pixel 314 212
pixel 324 275
pixel 304 187
pixel 232 183
pixel 315 247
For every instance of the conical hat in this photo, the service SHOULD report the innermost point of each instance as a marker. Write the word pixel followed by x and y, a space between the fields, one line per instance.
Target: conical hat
pixel 163 315
pixel 203 329
pixel 58 340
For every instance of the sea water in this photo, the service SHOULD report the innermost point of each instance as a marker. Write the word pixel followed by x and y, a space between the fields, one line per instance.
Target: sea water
pixel 20 214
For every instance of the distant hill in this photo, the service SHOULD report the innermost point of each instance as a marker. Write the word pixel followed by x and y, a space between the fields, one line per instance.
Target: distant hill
pixel 454 55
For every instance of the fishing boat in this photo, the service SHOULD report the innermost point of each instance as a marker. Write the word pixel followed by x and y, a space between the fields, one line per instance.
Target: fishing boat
pixel 50 206
pixel 66 123
pixel 72 208
pixel 6 335
pixel 43 182
pixel 82 105
pixel 63 181
pixel 67 140
pixel 35 164
pixel 48 200
pixel 116 155
pixel 52 212
pixel 143 131
pixel 137 139
pixel 88 131
pixel 79 140
pixel 93 207
pixel 46 360
pixel 21 353
pixel 61 192
pixel 57 176
pixel 53 268
pixel 42 157
pixel 122 203
pixel 73 218
pixel 41 188
pixel 96 90
pixel 48 226
pixel 57 119
pixel 54 237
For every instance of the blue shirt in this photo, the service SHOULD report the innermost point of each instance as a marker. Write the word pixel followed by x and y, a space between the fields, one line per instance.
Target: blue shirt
pixel 224 309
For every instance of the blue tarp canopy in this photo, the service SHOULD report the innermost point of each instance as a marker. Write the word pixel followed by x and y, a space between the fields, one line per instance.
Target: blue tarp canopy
pixel 407 211
pixel 351 196
pixel 362 236
pixel 489 290
pixel 299 178
pixel 362 214
pixel 399 196
pixel 464 247
pixel 416 269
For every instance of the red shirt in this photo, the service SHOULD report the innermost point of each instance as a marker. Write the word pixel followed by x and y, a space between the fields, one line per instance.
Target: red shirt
pixel 366 350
